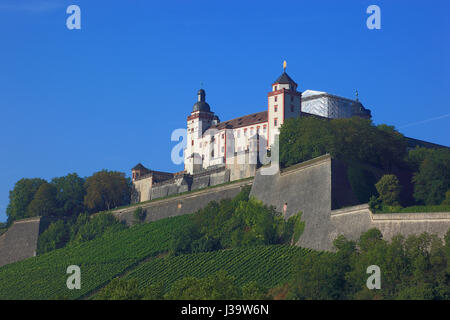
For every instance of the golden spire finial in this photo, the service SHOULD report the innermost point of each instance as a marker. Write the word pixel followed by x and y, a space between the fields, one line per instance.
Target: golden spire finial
pixel 284 65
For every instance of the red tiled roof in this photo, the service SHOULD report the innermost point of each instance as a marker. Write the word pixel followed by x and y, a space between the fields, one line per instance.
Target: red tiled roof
pixel 244 121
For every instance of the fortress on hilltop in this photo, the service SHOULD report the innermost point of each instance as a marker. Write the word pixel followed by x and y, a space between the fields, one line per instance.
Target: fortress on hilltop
pixel 219 152
pixel 226 156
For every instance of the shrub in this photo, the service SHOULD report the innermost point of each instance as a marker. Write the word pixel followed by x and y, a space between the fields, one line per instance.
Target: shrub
pixel 140 215
pixel 119 289
pixel 389 188
pixel 56 236
pixel 432 181
pixel 446 201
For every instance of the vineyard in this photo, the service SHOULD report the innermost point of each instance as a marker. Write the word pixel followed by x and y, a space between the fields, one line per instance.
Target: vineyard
pixel 269 266
pixel 100 260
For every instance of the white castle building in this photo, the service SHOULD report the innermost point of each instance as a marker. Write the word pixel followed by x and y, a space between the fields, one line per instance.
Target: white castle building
pixel 236 146
pixel 214 143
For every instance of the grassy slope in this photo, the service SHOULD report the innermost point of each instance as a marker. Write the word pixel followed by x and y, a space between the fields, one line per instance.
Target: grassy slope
pixel 44 277
pixel 269 266
pixel 124 253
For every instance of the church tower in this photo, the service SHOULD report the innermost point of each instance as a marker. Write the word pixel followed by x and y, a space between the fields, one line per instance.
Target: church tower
pixel 198 122
pixel 284 102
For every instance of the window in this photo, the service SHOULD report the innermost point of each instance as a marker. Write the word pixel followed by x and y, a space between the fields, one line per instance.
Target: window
pixel 251 131
pixel 292 98
pixel 223 136
pixel 264 129
pixel 203 157
pixel 276 98
pixel 239 133
pixel 275 108
pixel 275 88
pixel 212 154
pixel 223 149
pixel 192 142
pixel 292 108
pixel 245 132
pixel 275 122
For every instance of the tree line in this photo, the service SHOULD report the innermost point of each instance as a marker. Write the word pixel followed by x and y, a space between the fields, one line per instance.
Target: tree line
pixel 68 196
pixel 359 142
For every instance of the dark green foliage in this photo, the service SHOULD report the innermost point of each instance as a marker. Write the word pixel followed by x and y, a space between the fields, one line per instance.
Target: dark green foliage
pixel 219 286
pixel 88 228
pixel 235 223
pixel 216 286
pixel 139 214
pixel 119 289
pixel 106 190
pixel 70 194
pixel 362 182
pixel 182 243
pixel 44 203
pixel 303 139
pixel 56 236
pixel 446 201
pixel 44 277
pixel 268 266
pixel 416 157
pixel 20 197
pixel 84 228
pixel 432 180
pixel 254 291
pixel 375 204
pixel 389 188
pixel 413 268
pixel 356 139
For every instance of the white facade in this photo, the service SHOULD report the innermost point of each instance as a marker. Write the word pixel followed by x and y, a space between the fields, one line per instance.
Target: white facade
pixel 212 143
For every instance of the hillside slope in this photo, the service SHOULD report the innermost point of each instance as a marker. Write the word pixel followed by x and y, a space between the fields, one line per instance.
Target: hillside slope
pixel 44 277
pixel 269 266
pixel 129 254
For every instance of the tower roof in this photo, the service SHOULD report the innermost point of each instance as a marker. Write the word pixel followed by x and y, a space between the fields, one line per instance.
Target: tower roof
pixel 285 79
pixel 201 104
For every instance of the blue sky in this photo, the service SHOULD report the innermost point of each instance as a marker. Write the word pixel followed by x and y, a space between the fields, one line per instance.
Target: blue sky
pixel 109 95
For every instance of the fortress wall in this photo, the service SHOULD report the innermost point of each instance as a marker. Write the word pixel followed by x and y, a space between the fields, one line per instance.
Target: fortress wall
pixel 169 187
pixel 314 186
pixel 352 221
pixel 19 241
pixel 219 178
pixel 143 188
pixel 183 204
pixel 304 187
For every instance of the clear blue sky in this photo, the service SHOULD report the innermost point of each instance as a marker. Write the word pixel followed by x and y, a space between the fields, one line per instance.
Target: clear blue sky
pixel 109 95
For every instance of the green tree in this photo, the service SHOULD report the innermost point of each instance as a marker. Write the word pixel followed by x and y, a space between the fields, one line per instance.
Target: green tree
pixel 254 291
pixel 219 286
pixel 44 202
pixel 88 228
pixel 106 190
pixel 446 201
pixel 21 196
pixel 70 194
pixel 119 289
pixel 56 236
pixel 139 215
pixel 389 188
pixel 348 139
pixel 432 180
